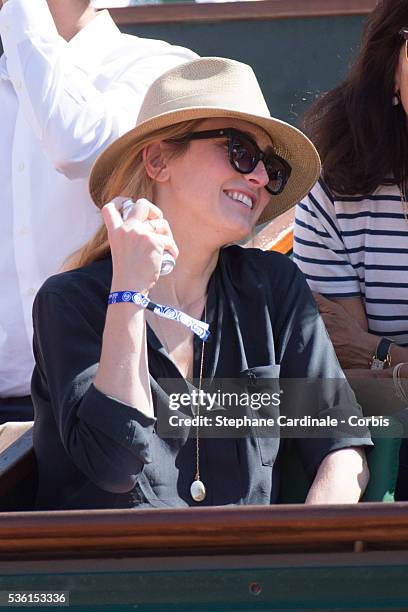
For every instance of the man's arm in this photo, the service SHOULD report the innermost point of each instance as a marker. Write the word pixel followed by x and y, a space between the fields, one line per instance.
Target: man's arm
pixel 73 119
pixel 346 322
pixel 355 308
pixel 342 478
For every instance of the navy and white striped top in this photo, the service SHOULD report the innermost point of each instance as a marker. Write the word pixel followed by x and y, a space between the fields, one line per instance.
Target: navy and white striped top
pixel 357 246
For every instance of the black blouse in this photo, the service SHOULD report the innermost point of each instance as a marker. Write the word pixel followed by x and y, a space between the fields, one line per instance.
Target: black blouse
pixel 96 452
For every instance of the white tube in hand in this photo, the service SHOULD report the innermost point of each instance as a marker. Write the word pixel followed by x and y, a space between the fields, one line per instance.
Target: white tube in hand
pixel 168 263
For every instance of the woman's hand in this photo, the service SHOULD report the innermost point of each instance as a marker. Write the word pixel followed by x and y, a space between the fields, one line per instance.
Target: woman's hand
pixel 137 244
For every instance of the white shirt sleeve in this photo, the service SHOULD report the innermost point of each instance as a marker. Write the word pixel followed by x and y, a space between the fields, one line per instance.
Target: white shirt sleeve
pixel 318 247
pixel 73 119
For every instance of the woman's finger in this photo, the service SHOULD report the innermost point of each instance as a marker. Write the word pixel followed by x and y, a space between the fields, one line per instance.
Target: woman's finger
pixel 138 211
pixel 112 217
pixel 154 211
pixel 160 226
pixel 141 210
pixel 168 245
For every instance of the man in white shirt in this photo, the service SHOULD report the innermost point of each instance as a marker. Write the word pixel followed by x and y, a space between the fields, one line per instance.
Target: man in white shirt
pixel 70 83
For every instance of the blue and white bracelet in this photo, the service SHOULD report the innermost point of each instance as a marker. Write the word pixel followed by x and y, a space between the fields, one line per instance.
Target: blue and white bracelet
pixel 166 312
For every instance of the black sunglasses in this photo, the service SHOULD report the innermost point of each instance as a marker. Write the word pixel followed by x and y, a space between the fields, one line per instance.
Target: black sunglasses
pixel 244 155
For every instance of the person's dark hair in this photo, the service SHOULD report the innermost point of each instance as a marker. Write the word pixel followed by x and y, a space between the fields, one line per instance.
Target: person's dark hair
pixel 361 137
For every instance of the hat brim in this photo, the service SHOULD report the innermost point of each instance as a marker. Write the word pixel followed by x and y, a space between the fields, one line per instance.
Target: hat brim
pixel 289 142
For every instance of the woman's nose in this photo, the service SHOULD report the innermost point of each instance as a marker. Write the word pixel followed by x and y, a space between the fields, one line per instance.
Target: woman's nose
pixel 259 175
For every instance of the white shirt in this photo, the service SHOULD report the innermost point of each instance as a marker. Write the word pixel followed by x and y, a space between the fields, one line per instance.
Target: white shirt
pixel 61 104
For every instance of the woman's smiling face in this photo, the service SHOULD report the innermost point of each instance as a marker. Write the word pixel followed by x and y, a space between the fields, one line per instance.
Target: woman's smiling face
pixel 208 192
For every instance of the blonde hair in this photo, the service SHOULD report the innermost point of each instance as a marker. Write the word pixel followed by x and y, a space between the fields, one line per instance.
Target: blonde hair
pixel 129 179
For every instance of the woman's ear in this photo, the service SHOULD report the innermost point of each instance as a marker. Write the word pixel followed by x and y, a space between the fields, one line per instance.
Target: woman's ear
pixel 155 162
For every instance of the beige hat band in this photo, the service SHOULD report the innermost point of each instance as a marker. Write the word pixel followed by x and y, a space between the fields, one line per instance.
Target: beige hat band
pixel 231 101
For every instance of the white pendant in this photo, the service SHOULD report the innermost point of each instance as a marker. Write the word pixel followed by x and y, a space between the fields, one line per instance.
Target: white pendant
pixel 197 491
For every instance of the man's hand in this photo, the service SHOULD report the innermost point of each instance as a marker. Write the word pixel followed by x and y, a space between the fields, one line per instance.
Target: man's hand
pixel 353 345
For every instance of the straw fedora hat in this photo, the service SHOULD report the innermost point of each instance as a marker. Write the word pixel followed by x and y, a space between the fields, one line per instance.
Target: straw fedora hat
pixel 215 87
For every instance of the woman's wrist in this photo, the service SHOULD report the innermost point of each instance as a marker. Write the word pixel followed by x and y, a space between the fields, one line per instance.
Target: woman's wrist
pixel 124 284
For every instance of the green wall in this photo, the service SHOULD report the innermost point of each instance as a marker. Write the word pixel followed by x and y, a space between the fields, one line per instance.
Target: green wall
pixel 294 59
pixel 332 581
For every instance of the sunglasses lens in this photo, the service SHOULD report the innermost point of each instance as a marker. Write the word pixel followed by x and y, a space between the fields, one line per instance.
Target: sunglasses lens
pixel 243 155
pixel 278 175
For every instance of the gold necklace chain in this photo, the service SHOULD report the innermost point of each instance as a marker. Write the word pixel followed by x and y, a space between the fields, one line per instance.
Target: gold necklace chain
pixel 200 382
pixel 197 488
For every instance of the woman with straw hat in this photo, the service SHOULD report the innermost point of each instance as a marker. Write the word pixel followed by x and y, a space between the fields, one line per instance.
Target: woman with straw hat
pixel 204 165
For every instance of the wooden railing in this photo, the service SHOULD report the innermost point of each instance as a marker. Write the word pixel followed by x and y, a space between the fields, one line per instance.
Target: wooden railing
pixel 242 530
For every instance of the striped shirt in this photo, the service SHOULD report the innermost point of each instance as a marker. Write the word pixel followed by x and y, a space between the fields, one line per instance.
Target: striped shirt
pixel 357 246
